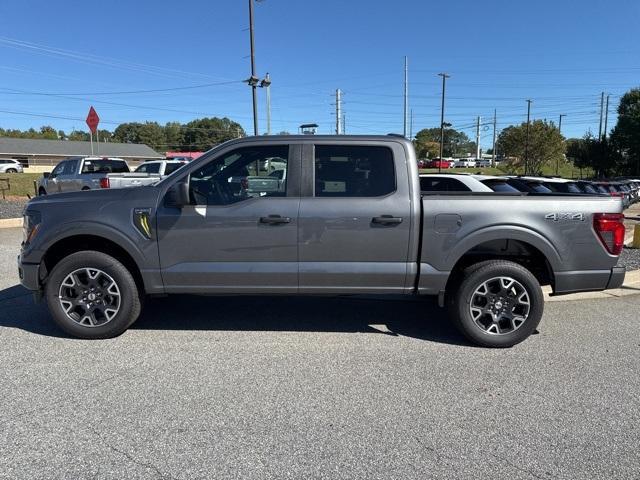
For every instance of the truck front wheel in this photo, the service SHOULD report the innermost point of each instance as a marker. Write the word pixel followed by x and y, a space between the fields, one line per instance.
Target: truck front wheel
pixel 92 295
pixel 497 304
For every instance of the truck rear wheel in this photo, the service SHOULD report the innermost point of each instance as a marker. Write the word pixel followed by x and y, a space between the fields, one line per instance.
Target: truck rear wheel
pixel 92 295
pixel 497 304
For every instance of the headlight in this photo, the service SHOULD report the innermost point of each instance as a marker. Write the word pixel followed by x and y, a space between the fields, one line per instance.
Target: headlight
pixel 30 226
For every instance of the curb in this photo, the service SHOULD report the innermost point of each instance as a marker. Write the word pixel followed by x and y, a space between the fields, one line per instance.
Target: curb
pixel 11 222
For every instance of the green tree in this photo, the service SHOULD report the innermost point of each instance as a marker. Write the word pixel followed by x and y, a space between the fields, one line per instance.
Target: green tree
pixel 77 135
pixel 546 145
pixel 204 133
pixel 48 133
pixel 173 136
pixel 625 137
pixel 455 143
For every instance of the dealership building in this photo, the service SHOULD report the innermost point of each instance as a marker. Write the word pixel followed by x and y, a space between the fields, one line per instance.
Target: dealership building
pixel 42 155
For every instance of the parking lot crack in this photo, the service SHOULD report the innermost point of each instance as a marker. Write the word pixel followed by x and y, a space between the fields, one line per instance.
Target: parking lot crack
pixel 131 458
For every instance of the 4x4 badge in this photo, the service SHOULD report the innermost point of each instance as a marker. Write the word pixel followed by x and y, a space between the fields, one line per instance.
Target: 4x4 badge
pixel 565 216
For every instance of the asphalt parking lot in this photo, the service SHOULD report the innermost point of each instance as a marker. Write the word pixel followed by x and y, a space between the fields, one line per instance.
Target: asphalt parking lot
pixel 316 388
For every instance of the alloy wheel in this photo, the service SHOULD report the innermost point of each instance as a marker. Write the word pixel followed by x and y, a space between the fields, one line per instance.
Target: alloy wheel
pixel 90 297
pixel 500 305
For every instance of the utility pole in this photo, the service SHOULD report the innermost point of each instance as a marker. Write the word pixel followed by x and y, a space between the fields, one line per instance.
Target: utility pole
pixel 266 84
pixel 406 95
pixel 411 124
pixel 606 118
pixel 338 111
pixel 478 139
pixel 444 81
pixel 253 80
pixel 601 107
pixel 526 145
pixel 560 132
pixel 493 146
pixel 344 124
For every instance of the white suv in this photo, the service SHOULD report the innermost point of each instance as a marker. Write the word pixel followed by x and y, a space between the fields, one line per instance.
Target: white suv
pixel 9 165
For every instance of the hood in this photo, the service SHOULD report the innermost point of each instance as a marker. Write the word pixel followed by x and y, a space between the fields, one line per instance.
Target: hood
pixel 97 199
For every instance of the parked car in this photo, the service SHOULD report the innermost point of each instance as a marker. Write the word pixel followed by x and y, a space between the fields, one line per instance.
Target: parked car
pixel 9 165
pixel 558 185
pixel 496 183
pixel 432 182
pixel 615 190
pixel 351 220
pixel 527 185
pixel 483 163
pixel 89 173
pixel 161 167
pixel 588 187
pixel 465 163
pixel 438 163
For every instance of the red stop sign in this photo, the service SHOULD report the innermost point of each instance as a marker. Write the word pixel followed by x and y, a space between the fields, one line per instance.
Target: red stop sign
pixel 92 120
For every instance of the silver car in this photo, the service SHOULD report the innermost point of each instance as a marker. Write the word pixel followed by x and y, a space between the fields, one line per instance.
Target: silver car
pixel 9 165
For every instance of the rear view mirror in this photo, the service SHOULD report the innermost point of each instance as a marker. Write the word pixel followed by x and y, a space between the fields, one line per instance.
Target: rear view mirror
pixel 46 174
pixel 178 195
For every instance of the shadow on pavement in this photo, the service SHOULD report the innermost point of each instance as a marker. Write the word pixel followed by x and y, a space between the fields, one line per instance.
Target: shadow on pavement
pixel 411 317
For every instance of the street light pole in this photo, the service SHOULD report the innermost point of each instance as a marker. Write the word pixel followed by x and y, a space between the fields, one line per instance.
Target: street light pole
pixel 253 81
pixel 560 132
pixel 444 81
pixel 526 145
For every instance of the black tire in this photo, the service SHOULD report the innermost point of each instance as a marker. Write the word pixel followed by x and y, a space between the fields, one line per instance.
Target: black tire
pixel 505 332
pixel 12 170
pixel 129 302
pixel 84 189
pixel 42 192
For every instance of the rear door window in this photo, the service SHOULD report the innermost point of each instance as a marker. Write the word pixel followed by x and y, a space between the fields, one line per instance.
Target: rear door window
pixel 172 167
pixel 353 171
pixel 149 168
pixel 105 166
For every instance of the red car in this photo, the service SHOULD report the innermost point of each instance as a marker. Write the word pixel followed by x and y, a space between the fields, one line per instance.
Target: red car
pixel 437 163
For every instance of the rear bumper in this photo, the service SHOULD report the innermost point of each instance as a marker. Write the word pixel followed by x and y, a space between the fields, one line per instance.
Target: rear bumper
pixel 588 280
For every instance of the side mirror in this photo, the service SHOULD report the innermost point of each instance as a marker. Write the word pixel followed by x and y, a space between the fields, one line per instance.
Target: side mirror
pixel 46 174
pixel 178 195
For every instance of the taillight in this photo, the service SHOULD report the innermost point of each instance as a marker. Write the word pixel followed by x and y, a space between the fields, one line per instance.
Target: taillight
pixel 610 230
pixel 617 194
pixel 104 182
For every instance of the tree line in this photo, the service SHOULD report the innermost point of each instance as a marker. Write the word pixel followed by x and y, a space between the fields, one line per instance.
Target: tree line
pixel 198 135
pixel 611 155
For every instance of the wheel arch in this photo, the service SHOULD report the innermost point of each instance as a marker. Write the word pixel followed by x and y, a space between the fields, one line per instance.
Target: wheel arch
pixel 529 249
pixel 81 242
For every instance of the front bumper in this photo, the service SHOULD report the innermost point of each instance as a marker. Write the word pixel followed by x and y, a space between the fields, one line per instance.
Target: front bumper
pixel 588 280
pixel 29 274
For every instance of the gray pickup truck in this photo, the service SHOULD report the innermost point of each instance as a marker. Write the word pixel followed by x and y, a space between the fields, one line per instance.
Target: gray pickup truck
pixel 349 219
pixel 90 173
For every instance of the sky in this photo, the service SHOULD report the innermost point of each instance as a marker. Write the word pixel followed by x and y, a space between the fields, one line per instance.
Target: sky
pixel 162 61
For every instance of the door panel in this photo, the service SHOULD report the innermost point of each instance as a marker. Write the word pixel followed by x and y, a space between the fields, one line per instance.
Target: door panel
pixel 248 246
pixel 351 243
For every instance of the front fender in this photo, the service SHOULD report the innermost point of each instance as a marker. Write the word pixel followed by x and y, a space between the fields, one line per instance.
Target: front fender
pixel 59 232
